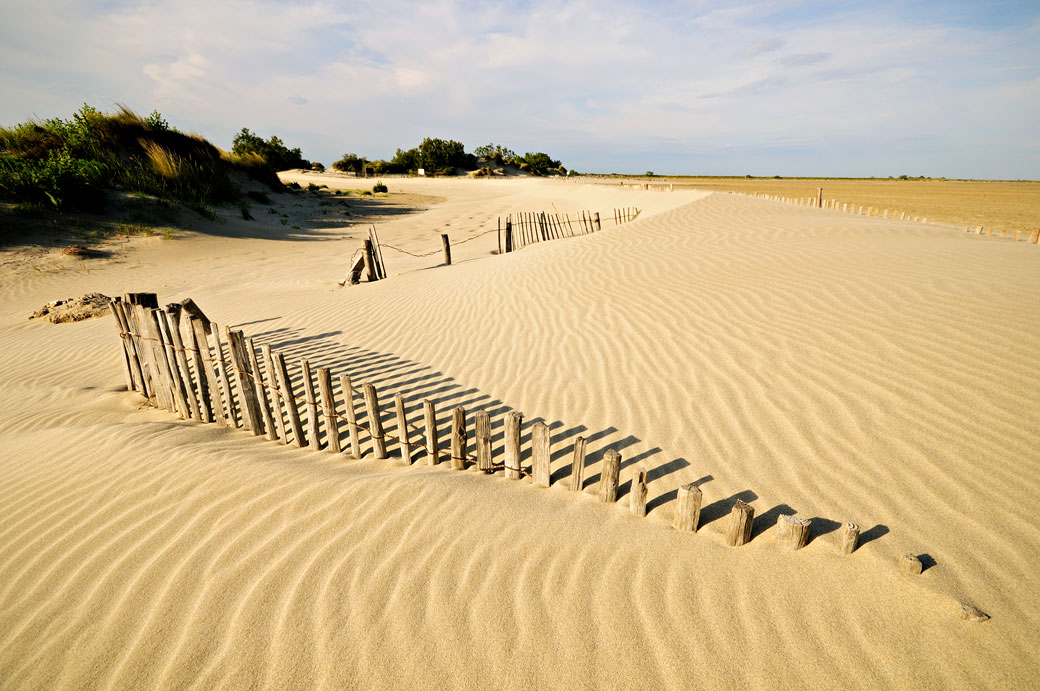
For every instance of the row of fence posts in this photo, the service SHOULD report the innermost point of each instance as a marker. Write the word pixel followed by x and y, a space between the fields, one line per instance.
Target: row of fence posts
pixel 188 374
pixel 818 202
pixel 525 228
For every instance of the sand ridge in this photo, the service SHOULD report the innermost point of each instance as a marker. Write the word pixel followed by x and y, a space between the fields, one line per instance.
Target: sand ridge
pixel 836 367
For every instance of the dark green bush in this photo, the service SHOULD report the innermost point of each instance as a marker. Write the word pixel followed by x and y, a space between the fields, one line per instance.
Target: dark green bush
pixel 379 187
pixel 350 163
pixel 274 151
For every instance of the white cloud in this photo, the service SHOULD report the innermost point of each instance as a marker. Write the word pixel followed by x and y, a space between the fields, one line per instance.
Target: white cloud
pixel 809 87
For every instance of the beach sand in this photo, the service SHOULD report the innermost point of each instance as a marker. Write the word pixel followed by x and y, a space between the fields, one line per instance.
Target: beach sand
pixel 810 362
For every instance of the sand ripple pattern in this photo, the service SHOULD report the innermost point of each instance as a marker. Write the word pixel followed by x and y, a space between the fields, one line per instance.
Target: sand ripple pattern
pixel 834 367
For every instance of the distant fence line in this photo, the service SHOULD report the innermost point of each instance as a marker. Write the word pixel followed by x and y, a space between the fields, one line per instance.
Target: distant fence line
pixel 520 229
pixel 818 202
pixel 175 357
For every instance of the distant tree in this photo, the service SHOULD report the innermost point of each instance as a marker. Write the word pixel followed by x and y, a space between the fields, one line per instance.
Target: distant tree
pixel 318 166
pixel 441 154
pixel 350 163
pixel 274 151
pixel 649 173
pixel 540 162
pixel 405 161
pixel 496 153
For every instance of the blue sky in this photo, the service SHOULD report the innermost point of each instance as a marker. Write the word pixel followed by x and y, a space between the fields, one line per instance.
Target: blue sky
pixel 764 88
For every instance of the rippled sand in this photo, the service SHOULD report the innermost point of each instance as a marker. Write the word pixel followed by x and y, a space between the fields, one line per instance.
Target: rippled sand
pixel 839 368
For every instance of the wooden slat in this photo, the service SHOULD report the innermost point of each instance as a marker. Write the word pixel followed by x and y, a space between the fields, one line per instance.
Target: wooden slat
pixel 261 389
pixel 348 404
pixel 430 424
pixel 313 430
pixel 212 383
pixel 251 414
pixel 375 423
pixel 276 392
pixel 609 476
pixel 328 407
pixel 289 400
pixel 514 421
pixel 577 481
pixel 180 363
pixel 637 495
pixel 540 454
pixel 482 437
pixel 222 373
pixel 404 435
pixel 687 507
pixel 459 438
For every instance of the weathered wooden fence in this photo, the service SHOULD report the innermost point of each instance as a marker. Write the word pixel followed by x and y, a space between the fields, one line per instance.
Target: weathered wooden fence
pixel 177 358
pixel 519 230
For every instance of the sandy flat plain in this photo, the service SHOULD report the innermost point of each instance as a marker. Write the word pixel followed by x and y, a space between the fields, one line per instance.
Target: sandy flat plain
pixel 994 204
pixel 809 362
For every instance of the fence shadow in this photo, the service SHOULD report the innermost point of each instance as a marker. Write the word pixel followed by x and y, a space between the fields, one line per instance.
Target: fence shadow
pixel 416 382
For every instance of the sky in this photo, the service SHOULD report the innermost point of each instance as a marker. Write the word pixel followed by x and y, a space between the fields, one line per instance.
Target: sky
pixel 940 89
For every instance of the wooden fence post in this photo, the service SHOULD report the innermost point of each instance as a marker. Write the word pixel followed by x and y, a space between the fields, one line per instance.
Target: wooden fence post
pixel 637 495
pixel 458 438
pixel 289 399
pixel 608 483
pixel 741 518
pixel 261 391
pixel 540 454
pixel 370 262
pixel 225 381
pixel 447 248
pixel 352 428
pixel 375 423
pixel 849 538
pixel 595 219
pixel 791 533
pixel 404 437
pixel 578 465
pixel 276 392
pixel 500 235
pixel 132 341
pixel 128 355
pixel 170 367
pixel 512 445
pixel 208 383
pixel 246 393
pixel 430 422
pixel 687 508
pixel 819 197
pixel 482 425
pixel 328 407
pixel 509 235
pixel 911 564
pixel 312 405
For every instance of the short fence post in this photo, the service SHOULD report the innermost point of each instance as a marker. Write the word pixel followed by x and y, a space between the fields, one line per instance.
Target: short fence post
pixel 608 483
pixel 225 382
pixel 637 495
pixel 404 440
pixel 127 356
pixel 373 273
pixel 276 392
pixel 180 382
pixel 375 424
pixel 352 427
pixel 509 235
pixel 289 398
pixel 447 248
pixel 911 564
pixel 849 538
pixel 250 406
pixel 741 519
pixel 512 445
pixel 500 235
pixel 204 369
pixel 578 465
pixel 261 391
pixel 482 436
pixel 819 197
pixel 791 533
pixel 540 454
pixel 687 507
pixel 430 422
pixel 328 407
pixel 595 219
pixel 312 405
pixel 458 438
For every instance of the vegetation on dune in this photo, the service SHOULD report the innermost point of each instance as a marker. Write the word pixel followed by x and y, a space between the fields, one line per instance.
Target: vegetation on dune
pixel 69 164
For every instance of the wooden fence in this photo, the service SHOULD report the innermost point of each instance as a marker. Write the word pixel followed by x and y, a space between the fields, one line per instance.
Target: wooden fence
pixel 818 202
pixel 176 358
pixel 521 229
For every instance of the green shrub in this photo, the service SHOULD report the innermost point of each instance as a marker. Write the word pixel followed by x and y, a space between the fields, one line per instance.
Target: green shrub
pixel 350 163
pixel 318 167
pixel 379 187
pixel 274 151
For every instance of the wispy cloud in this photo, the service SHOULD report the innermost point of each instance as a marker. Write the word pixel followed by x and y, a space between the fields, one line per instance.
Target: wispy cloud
pixel 762 86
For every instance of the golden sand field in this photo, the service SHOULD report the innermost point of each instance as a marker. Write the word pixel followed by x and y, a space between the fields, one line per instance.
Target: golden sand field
pixel 996 204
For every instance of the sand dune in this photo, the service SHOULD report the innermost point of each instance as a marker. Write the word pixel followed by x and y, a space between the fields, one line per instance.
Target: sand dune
pixel 809 362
